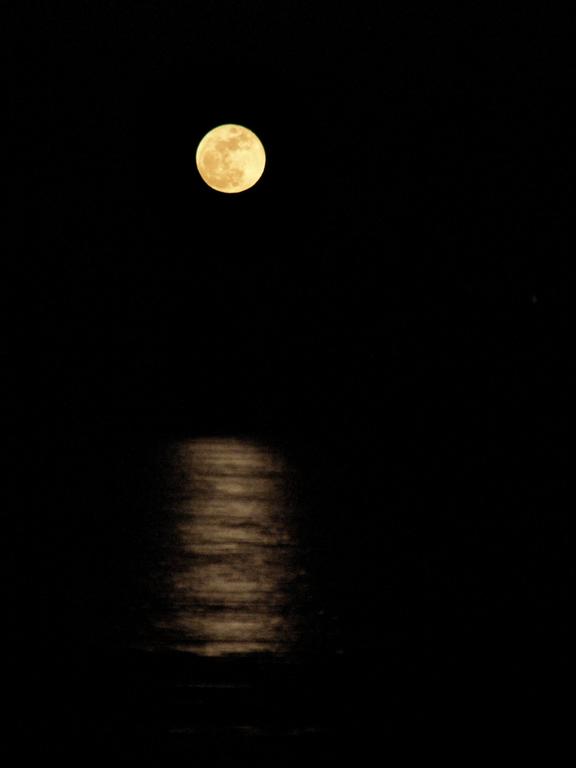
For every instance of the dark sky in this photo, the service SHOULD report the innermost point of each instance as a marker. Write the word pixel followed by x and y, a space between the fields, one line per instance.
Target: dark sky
pixel 410 232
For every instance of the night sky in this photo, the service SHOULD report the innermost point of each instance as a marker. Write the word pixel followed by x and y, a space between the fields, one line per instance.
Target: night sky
pixel 411 223
pixel 402 274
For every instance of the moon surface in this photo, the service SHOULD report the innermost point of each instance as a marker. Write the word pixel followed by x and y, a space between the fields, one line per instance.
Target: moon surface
pixel 230 158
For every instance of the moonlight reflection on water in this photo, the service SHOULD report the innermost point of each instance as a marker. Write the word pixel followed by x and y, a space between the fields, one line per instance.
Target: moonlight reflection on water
pixel 234 562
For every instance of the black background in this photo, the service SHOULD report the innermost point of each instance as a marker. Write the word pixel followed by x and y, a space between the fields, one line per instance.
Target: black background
pixel 413 215
pixel 397 286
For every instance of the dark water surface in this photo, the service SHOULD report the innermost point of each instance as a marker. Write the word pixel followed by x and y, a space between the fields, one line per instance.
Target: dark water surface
pixel 239 594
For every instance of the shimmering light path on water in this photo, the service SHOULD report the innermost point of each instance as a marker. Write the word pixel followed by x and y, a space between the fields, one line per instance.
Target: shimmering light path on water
pixel 234 566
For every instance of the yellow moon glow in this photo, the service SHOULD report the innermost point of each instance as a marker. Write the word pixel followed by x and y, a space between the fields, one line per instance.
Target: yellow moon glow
pixel 230 158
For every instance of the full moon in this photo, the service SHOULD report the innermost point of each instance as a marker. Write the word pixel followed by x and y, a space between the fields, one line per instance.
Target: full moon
pixel 230 158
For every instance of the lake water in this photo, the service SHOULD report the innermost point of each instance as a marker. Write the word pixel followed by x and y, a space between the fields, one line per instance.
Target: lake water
pixel 299 595
pixel 235 574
